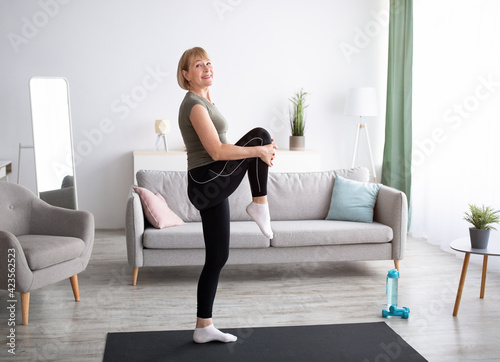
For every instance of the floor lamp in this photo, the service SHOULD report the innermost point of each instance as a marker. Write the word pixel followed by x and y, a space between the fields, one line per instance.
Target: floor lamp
pixel 362 102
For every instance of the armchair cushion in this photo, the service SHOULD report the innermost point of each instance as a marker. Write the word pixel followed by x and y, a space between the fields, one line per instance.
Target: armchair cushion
pixel 42 251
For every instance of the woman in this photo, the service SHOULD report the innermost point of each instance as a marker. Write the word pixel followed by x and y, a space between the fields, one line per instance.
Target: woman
pixel 215 169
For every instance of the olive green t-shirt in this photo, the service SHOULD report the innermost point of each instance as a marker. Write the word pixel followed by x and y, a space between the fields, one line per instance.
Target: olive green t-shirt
pixel 196 154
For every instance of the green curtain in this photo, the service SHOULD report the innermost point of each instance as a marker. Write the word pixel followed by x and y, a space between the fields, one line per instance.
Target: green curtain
pixel 396 165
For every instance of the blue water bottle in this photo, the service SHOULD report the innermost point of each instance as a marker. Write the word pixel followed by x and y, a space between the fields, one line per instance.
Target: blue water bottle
pixel 392 287
pixel 392 297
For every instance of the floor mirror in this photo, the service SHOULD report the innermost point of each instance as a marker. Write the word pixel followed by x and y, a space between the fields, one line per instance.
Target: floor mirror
pixel 52 141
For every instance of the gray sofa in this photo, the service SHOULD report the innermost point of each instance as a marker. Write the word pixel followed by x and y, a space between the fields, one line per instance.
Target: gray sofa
pixel 299 204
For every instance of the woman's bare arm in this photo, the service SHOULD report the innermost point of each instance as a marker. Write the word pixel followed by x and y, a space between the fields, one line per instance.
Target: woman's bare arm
pixel 209 137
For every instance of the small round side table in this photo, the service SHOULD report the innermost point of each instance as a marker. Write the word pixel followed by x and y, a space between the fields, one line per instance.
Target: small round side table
pixel 463 245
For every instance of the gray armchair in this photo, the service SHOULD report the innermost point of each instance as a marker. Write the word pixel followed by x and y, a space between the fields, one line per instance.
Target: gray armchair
pixel 44 243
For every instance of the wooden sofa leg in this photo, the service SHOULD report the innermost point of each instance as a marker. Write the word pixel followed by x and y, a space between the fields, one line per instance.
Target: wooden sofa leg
pixel 396 265
pixel 134 275
pixel 74 285
pixel 25 307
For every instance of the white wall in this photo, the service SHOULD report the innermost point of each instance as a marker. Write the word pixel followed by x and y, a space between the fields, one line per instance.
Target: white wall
pixel 120 58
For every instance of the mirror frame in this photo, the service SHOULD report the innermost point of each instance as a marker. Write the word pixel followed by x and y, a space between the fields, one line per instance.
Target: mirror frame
pixel 72 153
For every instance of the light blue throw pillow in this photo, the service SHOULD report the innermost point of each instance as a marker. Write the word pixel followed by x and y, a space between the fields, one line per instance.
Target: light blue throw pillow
pixel 352 200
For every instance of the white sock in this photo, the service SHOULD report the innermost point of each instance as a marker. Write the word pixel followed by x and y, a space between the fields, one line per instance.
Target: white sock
pixel 210 333
pixel 260 214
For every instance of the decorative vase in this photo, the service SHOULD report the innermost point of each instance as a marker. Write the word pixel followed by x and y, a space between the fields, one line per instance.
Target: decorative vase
pixel 479 238
pixel 297 143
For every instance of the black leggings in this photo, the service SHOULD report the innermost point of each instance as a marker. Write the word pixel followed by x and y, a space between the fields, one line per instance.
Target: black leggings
pixel 209 188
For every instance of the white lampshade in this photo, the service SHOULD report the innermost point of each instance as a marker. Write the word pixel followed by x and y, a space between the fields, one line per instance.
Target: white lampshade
pixel 361 102
pixel 162 126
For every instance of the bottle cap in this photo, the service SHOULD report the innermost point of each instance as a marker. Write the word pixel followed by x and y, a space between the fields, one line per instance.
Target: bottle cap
pixel 393 273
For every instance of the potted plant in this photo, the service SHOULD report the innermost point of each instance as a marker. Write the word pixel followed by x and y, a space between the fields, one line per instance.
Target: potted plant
pixel 297 121
pixel 482 218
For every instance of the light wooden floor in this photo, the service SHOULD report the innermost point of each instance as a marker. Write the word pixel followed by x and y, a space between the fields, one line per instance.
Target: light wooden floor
pixel 256 296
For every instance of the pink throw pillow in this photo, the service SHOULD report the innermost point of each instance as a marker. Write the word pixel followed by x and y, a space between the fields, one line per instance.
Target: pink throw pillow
pixel 156 209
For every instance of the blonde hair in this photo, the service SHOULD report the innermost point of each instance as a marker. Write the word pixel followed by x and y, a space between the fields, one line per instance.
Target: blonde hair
pixel 185 61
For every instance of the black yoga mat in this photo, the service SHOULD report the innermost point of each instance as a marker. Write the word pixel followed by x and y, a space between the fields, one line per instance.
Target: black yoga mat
pixel 364 342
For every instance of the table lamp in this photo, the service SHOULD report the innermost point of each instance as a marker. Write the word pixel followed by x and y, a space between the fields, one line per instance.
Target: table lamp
pixel 162 128
pixel 362 102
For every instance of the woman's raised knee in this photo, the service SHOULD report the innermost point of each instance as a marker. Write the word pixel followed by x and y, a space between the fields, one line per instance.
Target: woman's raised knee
pixel 262 133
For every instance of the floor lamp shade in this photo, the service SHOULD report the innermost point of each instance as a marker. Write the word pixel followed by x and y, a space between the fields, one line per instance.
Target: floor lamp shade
pixel 361 102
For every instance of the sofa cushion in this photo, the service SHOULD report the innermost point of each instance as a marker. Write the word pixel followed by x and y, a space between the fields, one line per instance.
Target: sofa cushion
pixel 244 235
pixel 328 232
pixel 42 251
pixel 172 185
pixel 156 209
pixel 306 196
pixel 352 200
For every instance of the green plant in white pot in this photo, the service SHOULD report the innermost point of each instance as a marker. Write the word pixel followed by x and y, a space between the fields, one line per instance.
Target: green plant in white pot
pixel 482 218
pixel 298 121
